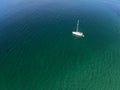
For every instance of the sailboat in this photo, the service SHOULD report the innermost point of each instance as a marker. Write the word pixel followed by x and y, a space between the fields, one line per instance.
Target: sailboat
pixel 77 33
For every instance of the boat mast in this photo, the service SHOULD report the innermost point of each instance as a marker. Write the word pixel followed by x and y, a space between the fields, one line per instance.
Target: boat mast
pixel 77 26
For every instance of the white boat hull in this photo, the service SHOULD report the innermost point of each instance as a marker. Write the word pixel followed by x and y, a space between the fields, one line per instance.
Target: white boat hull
pixel 80 34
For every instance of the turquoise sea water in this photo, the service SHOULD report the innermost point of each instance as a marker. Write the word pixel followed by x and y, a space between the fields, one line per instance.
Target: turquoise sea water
pixel 39 52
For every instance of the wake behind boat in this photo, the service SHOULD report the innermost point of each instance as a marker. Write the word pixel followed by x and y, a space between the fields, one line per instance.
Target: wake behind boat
pixel 77 33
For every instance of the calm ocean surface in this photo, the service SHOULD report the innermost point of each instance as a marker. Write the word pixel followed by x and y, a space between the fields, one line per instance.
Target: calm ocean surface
pixel 39 52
